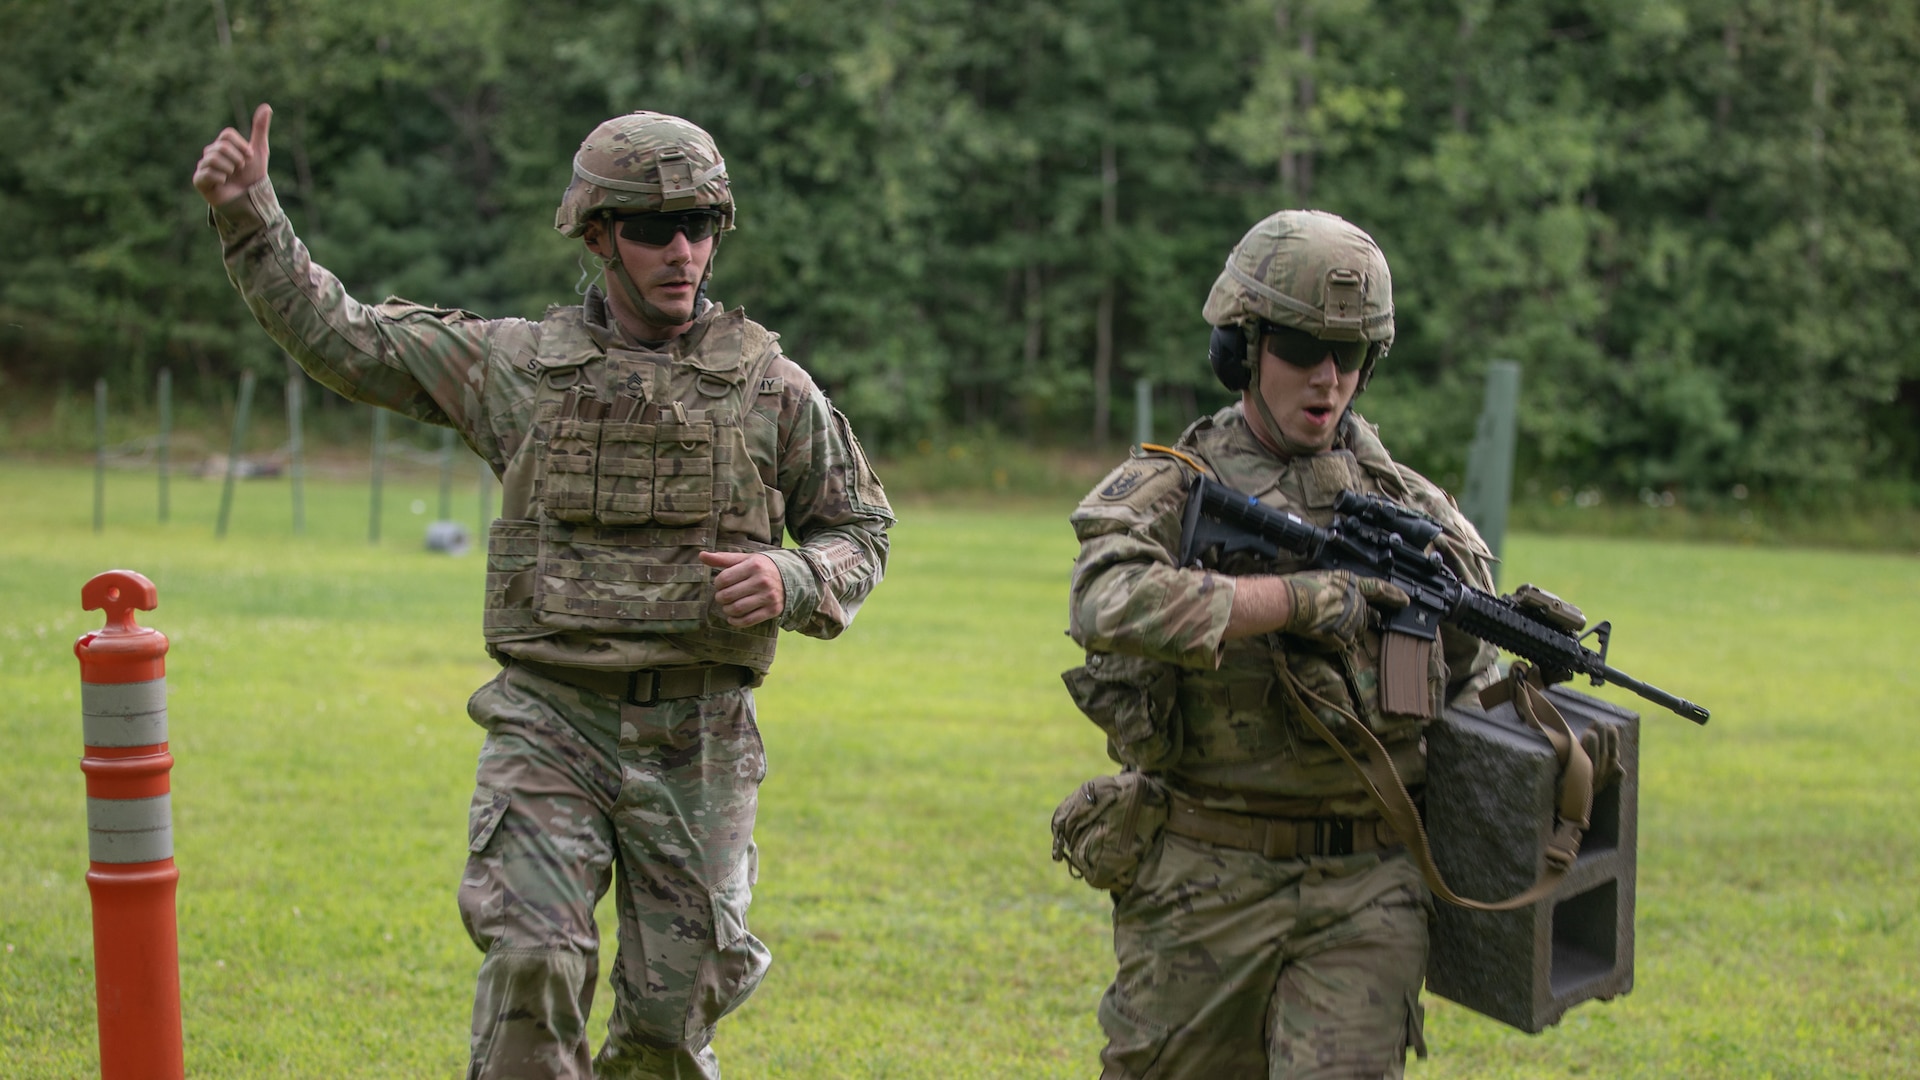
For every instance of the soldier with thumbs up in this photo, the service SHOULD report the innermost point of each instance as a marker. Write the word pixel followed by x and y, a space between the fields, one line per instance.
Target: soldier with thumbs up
pixel 653 449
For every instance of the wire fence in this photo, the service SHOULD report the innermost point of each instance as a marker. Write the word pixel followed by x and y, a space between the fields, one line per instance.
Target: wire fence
pixel 168 453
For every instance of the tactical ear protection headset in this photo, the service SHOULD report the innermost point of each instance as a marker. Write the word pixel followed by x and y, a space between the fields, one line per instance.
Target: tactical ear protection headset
pixel 1227 352
pixel 1229 347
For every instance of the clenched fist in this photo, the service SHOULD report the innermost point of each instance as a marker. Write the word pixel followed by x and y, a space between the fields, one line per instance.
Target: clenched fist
pixel 748 586
pixel 231 164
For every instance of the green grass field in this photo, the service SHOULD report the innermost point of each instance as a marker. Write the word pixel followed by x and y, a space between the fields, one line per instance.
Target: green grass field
pixel 919 930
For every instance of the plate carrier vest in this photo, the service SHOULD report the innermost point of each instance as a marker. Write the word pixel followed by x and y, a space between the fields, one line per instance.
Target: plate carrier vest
pixel 640 462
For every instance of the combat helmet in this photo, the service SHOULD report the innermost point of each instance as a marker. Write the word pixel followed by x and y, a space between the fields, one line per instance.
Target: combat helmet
pixel 644 161
pixel 1307 270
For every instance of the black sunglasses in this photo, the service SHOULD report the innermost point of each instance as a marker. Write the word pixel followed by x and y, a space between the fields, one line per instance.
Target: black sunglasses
pixel 1303 350
pixel 656 230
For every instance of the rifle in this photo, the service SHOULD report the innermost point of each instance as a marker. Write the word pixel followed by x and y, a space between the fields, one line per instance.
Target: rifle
pixel 1379 538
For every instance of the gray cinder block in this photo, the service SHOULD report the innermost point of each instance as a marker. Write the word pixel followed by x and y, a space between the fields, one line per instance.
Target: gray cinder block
pixel 1489 810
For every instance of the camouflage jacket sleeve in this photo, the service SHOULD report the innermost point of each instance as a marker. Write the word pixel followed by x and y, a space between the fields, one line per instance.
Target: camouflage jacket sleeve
pixel 428 363
pixel 1127 595
pixel 835 509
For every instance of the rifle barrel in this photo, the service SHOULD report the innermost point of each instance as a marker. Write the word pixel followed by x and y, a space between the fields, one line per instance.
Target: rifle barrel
pixel 1696 713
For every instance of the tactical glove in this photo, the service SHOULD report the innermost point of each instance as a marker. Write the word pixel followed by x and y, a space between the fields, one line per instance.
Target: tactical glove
pixel 1330 606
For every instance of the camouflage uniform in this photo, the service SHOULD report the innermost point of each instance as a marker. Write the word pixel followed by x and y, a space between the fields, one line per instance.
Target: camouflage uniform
pixel 620 461
pixel 1233 963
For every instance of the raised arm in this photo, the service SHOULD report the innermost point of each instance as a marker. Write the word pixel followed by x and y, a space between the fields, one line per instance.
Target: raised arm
pixel 427 363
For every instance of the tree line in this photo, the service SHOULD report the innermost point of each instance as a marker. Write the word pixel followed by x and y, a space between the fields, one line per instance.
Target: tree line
pixel 1690 220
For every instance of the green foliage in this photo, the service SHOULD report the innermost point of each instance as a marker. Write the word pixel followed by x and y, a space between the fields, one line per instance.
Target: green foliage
pixel 324 764
pixel 1690 219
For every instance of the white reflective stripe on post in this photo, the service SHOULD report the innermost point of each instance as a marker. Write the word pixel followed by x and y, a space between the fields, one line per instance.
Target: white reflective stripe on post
pixel 124 714
pixel 130 830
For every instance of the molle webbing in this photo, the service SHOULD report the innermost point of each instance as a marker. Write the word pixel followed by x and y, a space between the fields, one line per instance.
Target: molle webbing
pixel 638 462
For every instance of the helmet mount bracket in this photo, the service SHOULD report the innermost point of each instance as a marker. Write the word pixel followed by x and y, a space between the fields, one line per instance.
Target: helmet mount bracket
pixel 1346 296
pixel 679 188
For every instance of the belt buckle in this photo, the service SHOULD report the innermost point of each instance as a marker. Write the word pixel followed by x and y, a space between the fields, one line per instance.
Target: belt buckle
pixel 653 688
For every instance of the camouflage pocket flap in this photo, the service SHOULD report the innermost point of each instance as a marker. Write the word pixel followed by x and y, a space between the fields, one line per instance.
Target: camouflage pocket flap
pixel 1135 701
pixel 483 816
pixel 730 900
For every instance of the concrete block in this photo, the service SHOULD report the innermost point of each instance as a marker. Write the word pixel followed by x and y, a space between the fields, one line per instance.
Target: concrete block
pixel 1489 809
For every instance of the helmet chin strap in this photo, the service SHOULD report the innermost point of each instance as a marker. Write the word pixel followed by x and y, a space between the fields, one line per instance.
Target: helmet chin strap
pixel 1287 446
pixel 616 267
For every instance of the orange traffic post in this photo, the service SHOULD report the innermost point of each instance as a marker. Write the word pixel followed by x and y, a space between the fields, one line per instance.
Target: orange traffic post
pixel 136 958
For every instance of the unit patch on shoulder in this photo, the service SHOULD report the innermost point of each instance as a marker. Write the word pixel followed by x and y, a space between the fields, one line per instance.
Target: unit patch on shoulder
pixel 1121 486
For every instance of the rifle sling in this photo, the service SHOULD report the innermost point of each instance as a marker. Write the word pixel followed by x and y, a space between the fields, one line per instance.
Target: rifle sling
pixel 1389 793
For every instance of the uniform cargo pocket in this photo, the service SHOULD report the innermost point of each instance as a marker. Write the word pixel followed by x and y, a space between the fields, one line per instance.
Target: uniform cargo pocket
pixel 730 973
pixel 571 454
pixel 512 548
pixel 683 472
pixel 624 494
pixel 483 816
pixel 1135 701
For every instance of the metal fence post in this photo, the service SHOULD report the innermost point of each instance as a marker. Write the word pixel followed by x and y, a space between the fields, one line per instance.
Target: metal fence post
pixel 446 475
pixel 379 451
pixel 165 391
pixel 296 464
pixel 234 449
pixel 1489 486
pixel 99 454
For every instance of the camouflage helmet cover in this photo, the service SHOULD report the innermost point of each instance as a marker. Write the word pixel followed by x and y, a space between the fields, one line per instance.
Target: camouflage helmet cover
pixel 644 161
pixel 1310 270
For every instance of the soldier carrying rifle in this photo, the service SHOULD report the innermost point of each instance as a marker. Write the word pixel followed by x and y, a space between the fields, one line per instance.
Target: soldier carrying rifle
pixel 1268 921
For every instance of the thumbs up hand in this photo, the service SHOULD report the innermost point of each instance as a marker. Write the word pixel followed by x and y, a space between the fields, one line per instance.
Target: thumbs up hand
pixel 231 164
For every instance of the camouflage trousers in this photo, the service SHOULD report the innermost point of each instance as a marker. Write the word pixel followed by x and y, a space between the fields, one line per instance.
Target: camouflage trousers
pixel 1233 966
pixel 576 791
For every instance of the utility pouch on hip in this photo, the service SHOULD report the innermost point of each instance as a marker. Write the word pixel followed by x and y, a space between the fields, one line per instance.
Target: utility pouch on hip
pixel 1135 701
pixel 1103 830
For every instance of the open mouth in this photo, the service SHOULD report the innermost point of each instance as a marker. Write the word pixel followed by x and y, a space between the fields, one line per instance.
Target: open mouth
pixel 1319 414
